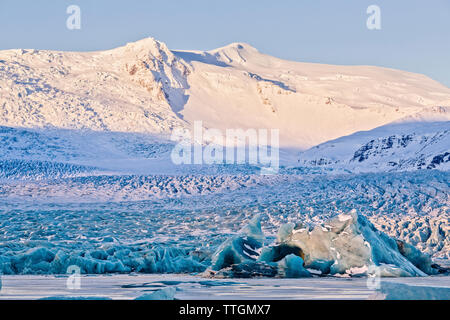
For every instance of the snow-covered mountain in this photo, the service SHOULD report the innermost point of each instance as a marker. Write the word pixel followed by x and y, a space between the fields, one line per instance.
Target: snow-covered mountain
pixel 144 87
pixel 86 176
pixel 416 142
pixel 130 89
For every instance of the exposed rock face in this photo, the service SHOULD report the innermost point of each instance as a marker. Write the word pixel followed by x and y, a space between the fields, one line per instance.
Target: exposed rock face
pixel 154 67
pixel 402 146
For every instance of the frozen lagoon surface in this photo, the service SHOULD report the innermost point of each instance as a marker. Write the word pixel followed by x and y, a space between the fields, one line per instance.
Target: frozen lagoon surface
pixel 185 287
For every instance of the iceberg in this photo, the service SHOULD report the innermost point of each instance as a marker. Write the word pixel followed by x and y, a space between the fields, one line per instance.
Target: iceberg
pixel 399 291
pixel 350 244
pixel 243 256
pixel 110 258
pixel 247 269
pixel 345 245
pixel 163 294
pixel 292 266
pixel 242 248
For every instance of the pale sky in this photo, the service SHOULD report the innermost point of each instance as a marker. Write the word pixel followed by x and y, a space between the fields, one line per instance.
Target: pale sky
pixel 414 35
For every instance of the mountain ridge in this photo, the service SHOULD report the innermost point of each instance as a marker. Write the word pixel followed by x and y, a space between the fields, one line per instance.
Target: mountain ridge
pixel 145 87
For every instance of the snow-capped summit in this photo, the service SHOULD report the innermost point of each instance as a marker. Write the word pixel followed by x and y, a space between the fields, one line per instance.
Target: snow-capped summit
pixel 148 50
pixel 128 89
pixel 235 53
pixel 147 44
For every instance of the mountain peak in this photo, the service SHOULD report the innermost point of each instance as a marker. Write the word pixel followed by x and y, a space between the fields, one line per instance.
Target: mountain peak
pixel 148 42
pixel 144 47
pixel 235 52
pixel 239 46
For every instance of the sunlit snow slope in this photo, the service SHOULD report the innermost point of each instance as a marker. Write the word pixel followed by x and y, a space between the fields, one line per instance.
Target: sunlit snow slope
pixel 145 87
pixel 417 142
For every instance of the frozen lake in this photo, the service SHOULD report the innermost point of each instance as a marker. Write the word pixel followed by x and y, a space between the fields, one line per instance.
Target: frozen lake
pixel 187 287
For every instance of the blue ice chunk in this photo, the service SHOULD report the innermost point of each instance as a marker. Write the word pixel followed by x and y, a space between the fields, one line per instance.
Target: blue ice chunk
pixel 253 229
pixel 421 260
pixel 163 294
pixel 324 266
pixel 240 248
pixel 292 266
pixel 75 298
pixel 114 259
pixel 384 249
pixel 398 291
pixel 285 231
pixel 349 243
pixel 278 252
pixel 249 269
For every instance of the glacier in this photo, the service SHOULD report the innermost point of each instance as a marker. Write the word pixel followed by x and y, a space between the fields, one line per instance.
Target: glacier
pixel 127 237
pixel 86 177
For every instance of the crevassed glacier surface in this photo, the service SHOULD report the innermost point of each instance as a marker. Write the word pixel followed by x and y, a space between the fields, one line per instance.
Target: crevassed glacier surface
pixel 176 223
